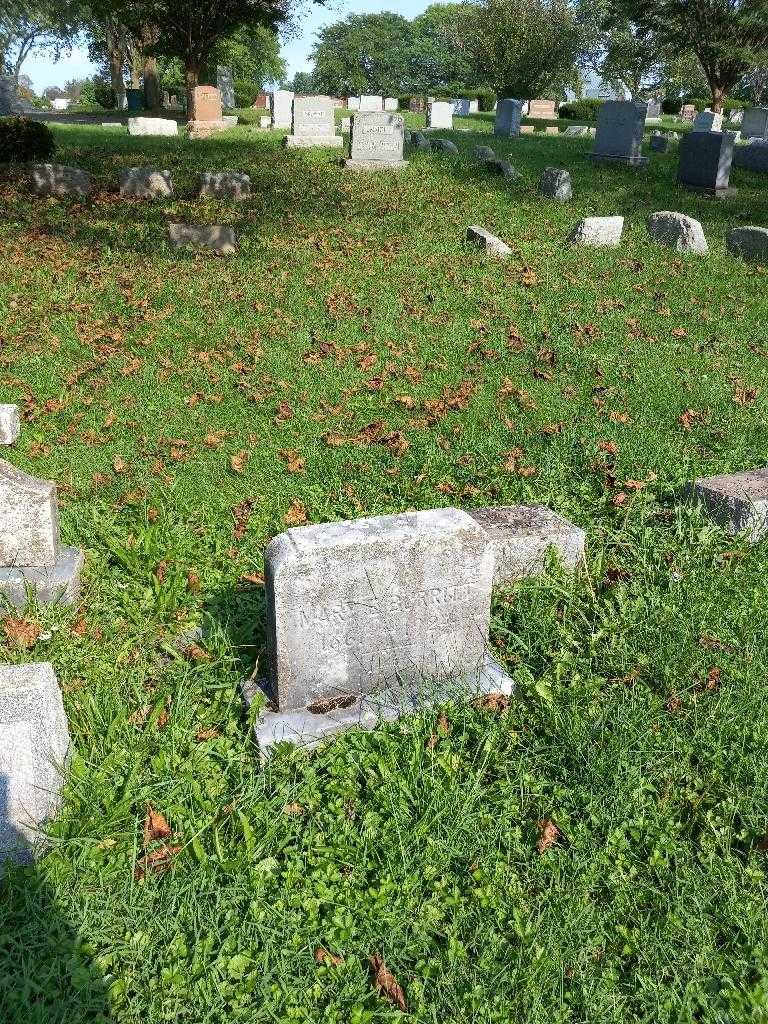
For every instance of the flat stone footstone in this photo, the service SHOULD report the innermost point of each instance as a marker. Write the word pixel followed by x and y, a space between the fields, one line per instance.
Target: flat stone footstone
pixel 224 185
pixel 10 424
pixel 522 535
pixel 220 240
pixel 736 501
pixel 485 240
pixel 677 231
pixel 230 120
pixel 750 242
pixel 597 231
pixel 502 167
pixel 152 126
pixel 357 607
pixel 309 727
pixel 420 140
pixel 34 744
pixel 29 519
pixel 58 583
pixel 578 131
pixel 555 183
pixel 659 143
pixel 483 153
pixel 59 180
pixel 145 183
pixel 444 146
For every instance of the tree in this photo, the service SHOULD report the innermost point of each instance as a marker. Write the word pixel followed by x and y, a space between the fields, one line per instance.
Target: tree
pixel 729 37
pixel 253 54
pixel 28 25
pixel 190 29
pixel 523 47
pixel 365 53
pixel 632 58
pixel 303 82
pixel 438 59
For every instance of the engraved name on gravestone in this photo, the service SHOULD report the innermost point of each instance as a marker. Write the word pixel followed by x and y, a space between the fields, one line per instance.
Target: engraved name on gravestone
pixel 377 140
pixel 226 86
pixel 313 123
pixel 356 607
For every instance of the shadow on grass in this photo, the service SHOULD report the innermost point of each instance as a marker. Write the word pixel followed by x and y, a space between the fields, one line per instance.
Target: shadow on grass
pixel 240 614
pixel 46 972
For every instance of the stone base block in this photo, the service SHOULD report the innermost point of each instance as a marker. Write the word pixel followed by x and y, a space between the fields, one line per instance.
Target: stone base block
pixel 522 535
pixel 375 165
pixel 34 744
pixel 204 129
pixel 57 583
pixel 313 726
pixel 714 193
pixel 310 141
pixel 628 161
pixel 735 501
pixel 10 424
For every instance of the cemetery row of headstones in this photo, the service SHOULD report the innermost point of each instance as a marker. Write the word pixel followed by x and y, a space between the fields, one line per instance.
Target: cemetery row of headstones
pixel 366 619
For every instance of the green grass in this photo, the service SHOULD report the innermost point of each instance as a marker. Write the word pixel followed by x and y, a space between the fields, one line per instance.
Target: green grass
pixel 353 299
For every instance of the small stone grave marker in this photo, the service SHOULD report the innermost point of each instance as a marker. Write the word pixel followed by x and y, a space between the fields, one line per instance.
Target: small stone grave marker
pixel 372 617
pixel 313 123
pixel 371 103
pixel 677 231
pixel 509 113
pixel 10 424
pixel 282 108
pixel 736 501
pixel 34 745
pixel 597 231
pixel 219 239
pixel 152 126
pixel 708 121
pixel 754 123
pixel 542 109
pixel 31 557
pixel 749 242
pixel 59 180
pixel 492 244
pixel 522 535
pixel 555 183
pixel 145 183
pixel 439 114
pixel 224 185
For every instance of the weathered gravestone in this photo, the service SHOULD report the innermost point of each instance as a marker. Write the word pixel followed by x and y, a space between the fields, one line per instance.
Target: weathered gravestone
pixel 522 536
pixel 224 185
pixel 218 238
pixel 749 242
pixel 578 130
pixel 207 115
pixel 653 112
pixel 483 153
pixel 542 109
pixel 491 244
pixel 688 113
pixel 508 115
pixel 677 231
pixel 313 123
pixel 374 617
pixel 226 86
pixel 371 103
pixel 597 231
pixel 391 104
pixel 659 143
pixel 10 424
pixel 439 114
pixel 555 183
pixel 34 745
pixel 377 142
pixel 152 126
pixel 282 108
pixel 145 183
pixel 444 146
pixel 353 103
pixel 59 180
pixel 417 104
pixel 345 124
pixel 31 557
pixel 753 157
pixel 9 100
pixel 705 162
pixel 754 123
pixel 708 121
pixel 737 501
pixel 619 135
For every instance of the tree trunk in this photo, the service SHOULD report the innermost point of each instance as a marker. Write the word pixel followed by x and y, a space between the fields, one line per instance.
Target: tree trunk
pixel 191 77
pixel 116 50
pixel 153 98
pixel 718 96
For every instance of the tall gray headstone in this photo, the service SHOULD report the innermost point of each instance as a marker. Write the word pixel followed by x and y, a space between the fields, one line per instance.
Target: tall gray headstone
pixel 708 121
pixel 9 100
pixel 30 553
pixel 754 124
pixel 226 86
pixel 282 108
pixel 34 744
pixel 313 123
pixel 372 608
pixel 705 162
pixel 377 142
pixel 508 115
pixel 439 114
pixel 619 136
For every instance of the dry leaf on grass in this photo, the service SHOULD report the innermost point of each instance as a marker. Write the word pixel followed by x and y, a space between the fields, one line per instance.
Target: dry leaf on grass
pixel 386 983
pixel 549 834
pixel 155 826
pixel 323 956
pixel 296 514
pixel 497 702
pixel 442 729
pixel 157 860
pixel 21 633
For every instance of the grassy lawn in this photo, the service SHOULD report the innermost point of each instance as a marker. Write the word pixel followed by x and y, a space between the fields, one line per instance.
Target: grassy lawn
pixel 190 407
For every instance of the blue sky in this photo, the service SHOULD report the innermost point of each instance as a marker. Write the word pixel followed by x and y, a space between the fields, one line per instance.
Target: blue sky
pixel 44 71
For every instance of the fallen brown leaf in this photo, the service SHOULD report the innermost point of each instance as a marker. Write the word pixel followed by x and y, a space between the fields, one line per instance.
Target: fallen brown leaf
pixel 296 514
pixel 155 826
pixel 386 983
pixel 323 956
pixel 21 633
pixel 549 834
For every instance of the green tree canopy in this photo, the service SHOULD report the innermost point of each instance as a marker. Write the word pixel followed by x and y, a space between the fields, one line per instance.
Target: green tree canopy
pixel 364 53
